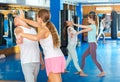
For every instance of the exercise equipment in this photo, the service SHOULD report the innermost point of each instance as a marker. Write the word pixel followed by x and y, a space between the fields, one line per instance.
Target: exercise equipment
pixel 65 15
pixel 2 40
pixel 76 21
pixel 30 14
pixel 114 23
pixel 118 22
pixel 11 27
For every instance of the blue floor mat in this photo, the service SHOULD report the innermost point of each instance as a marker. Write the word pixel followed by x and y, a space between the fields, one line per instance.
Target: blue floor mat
pixel 108 54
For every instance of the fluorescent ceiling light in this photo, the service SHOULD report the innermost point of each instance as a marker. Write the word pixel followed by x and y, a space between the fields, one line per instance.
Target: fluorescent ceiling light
pixel 103 8
pixel 98 1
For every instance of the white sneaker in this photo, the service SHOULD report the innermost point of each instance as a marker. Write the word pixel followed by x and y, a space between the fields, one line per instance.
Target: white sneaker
pixel 2 56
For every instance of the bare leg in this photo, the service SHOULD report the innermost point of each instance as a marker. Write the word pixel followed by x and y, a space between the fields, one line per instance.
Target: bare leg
pixel 101 74
pixel 82 73
pixel 48 80
pixel 54 77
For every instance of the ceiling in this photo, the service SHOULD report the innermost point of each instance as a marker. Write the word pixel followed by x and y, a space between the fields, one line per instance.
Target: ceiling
pixel 92 1
pixel 46 3
pixel 38 3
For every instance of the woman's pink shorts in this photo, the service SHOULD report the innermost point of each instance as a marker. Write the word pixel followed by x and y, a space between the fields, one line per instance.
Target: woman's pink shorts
pixel 55 65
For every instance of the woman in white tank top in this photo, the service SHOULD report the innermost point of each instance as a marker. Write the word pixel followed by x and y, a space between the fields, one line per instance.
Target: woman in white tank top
pixel 49 40
pixel 72 42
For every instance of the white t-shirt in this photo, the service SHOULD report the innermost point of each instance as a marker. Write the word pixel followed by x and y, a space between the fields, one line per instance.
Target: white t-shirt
pixel 29 50
pixel 71 39
pixel 101 25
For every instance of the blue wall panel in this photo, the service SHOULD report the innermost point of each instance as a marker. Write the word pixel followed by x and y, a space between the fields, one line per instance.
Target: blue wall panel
pixel 79 13
pixel 55 7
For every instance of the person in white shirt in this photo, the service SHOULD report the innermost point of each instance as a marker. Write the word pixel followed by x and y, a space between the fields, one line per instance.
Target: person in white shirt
pixel 102 26
pixel 72 42
pixel 30 54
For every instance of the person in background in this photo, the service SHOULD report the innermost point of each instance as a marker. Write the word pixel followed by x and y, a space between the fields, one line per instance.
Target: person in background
pixel 50 43
pixel 91 50
pixel 72 42
pixel 30 54
pixel 102 26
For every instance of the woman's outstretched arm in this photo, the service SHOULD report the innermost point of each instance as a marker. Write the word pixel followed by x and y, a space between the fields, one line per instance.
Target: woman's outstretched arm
pixel 35 37
pixel 28 21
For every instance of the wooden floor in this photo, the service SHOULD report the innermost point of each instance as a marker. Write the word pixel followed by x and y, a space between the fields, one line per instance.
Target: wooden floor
pixel 11 50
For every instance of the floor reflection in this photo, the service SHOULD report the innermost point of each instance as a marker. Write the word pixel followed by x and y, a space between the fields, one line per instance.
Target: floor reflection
pixel 107 54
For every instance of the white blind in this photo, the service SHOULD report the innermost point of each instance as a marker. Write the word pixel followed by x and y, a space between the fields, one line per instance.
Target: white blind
pixel 41 3
pixel 8 1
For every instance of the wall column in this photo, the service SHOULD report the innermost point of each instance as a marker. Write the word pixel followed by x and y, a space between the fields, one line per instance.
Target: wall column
pixel 55 7
pixel 79 14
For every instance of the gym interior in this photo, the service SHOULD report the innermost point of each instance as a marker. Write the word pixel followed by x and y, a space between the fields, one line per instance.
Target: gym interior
pixel 61 11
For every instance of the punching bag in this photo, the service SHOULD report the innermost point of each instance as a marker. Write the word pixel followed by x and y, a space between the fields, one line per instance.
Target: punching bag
pixel 2 40
pixel 11 27
pixel 10 20
pixel 114 25
pixel 30 14
pixel 64 41
pixel 65 15
pixel 119 22
pixel 76 21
